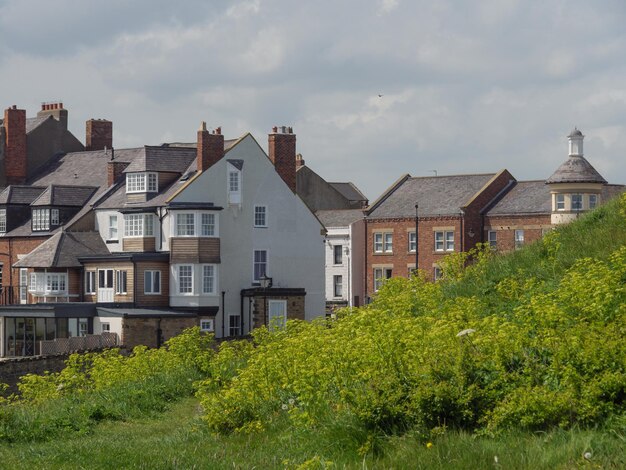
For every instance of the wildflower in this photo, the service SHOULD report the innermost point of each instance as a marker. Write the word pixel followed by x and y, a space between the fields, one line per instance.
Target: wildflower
pixel 495 459
pixel 60 387
pixel 284 406
pixel 291 401
pixel 587 455
pixel 429 445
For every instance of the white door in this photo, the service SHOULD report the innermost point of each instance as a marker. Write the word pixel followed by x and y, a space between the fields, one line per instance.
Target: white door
pixel 277 314
pixel 23 285
pixel 105 285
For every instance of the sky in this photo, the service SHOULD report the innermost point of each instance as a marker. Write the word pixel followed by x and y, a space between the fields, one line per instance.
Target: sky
pixel 467 86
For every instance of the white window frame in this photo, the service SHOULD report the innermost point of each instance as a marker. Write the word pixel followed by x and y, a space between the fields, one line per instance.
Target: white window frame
pixel 45 283
pixel 179 277
pixel 256 280
pixel 560 202
pixel 444 241
pixel 271 322
pixel 337 255
pixel 121 280
pixel 113 227
pixel 142 225
pixel 3 220
pixel 260 216
pixel 579 202
pixel 338 286
pixel 383 242
pixel 105 327
pixel 54 216
pixel 519 238
pixel 208 224
pixel 412 242
pixel 142 182
pixel 41 220
pixel 185 224
pixel 380 276
pixel 437 273
pixel 234 330
pixel 90 282
pixel 152 291
pixel 492 239
pixel 212 276
pixel 233 185
pixel 207 325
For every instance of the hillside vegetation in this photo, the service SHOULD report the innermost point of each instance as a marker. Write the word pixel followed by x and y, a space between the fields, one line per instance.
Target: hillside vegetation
pixel 513 344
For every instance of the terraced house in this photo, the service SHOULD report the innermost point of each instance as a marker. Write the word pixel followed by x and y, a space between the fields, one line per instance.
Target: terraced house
pixel 131 246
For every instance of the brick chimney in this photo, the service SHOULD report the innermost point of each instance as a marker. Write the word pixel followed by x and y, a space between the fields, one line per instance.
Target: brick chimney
pixel 282 153
pixel 210 147
pixel 115 168
pixel 55 110
pixel 15 161
pixel 299 161
pixel 99 134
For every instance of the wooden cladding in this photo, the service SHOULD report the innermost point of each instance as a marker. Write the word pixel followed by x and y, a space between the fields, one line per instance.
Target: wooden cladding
pixel 194 250
pixel 138 244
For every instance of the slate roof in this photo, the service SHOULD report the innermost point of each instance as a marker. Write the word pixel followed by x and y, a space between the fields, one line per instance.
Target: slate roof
pixel 436 195
pixel 56 195
pixel 339 217
pixel 63 249
pixel 163 158
pixel 525 197
pixel 576 169
pixel 17 194
pixel 349 191
pixel 32 123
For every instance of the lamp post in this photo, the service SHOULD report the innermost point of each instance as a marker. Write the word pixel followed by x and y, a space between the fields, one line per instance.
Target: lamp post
pixel 266 283
pixel 416 238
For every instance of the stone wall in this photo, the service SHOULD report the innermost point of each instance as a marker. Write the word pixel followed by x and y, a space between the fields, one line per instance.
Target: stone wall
pixel 12 369
pixel 143 331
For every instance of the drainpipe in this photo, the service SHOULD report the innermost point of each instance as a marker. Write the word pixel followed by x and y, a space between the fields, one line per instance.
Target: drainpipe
pixel 365 291
pixel 159 332
pixel 223 314
pixel 134 282
pixel 241 313
pixel 462 237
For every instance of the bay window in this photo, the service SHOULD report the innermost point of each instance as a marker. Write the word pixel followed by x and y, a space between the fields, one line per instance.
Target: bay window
pixel 141 183
pixel 138 225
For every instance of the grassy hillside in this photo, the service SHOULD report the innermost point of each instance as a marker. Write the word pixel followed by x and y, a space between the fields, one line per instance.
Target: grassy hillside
pixel 520 357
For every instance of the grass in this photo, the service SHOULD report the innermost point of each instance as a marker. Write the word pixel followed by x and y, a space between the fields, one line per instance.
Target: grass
pixel 175 440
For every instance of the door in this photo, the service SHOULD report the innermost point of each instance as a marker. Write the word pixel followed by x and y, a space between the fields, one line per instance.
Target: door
pixel 277 314
pixel 105 285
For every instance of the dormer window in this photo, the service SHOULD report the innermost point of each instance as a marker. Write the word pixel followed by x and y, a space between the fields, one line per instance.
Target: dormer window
pixel 41 219
pixel 3 220
pixel 142 183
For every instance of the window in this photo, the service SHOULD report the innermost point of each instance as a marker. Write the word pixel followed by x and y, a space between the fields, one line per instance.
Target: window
pixel 437 273
pixel 380 275
pixel 234 325
pixel 492 238
pixel 593 201
pixel 185 279
pixel 90 282
pixel 41 219
pixel 23 284
pixel 234 186
pixel 444 241
pixel 113 227
pixel 560 202
pixel 337 254
pixel 83 327
pixel 141 182
pixel 577 202
pixel 412 242
pixel 121 278
pixel 337 286
pixel 185 225
pixel 105 327
pixel 208 225
pixel 260 216
pixel 277 317
pixel 206 325
pixel 519 239
pixel 260 264
pixel 383 242
pixel 48 283
pixel 152 282
pixel 3 220
pixel 54 216
pixel 208 279
pixel 138 225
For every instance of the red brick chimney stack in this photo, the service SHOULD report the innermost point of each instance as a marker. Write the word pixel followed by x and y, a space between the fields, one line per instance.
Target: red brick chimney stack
pixel 15 162
pixel 98 134
pixel 210 147
pixel 282 153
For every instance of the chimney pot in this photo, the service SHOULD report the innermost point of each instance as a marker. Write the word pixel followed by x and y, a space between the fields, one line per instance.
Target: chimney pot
pixel 203 126
pixel 274 129
pixel 60 105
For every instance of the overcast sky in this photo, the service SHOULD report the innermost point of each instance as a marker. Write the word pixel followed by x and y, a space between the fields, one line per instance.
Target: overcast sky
pixel 468 86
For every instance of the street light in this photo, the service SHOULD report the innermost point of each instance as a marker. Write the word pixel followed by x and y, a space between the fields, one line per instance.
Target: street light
pixel 266 282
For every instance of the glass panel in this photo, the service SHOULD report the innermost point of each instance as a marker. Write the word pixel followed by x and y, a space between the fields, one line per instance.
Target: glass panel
pixel 10 336
pixel 83 326
pixel 40 333
pixel 72 327
pixel 62 328
pixel 19 337
pixel 50 328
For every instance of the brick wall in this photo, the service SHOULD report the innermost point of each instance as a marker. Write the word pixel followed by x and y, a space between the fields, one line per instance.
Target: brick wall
pixel 15 162
pixel 98 134
pixel 210 148
pixel 295 308
pixel 505 227
pixel 282 153
pixel 12 369
pixel 10 248
pixel 143 331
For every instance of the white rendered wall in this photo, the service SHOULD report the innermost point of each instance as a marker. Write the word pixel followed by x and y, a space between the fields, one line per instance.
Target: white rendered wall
pixel 293 236
pixel 338 236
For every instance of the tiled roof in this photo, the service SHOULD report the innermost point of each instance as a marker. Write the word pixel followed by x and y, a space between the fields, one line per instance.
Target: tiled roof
pixel 17 194
pixel 163 158
pixel 436 195
pixel 339 217
pixel 33 123
pixel 576 169
pixel 56 195
pixel 349 191
pixel 63 249
pixel 525 197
